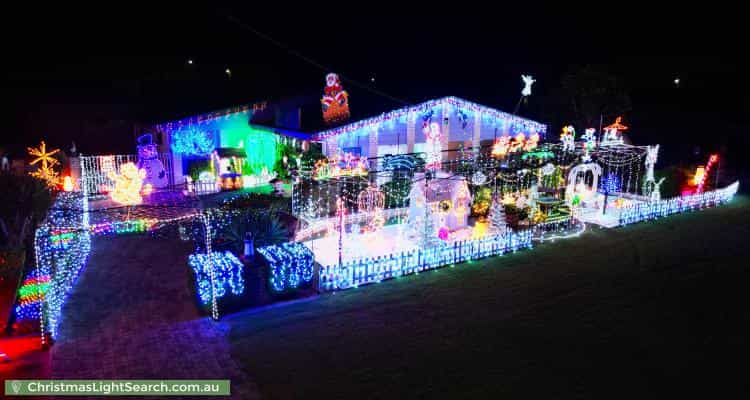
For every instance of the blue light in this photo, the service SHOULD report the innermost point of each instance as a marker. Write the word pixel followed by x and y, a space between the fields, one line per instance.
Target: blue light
pixel 354 273
pixel 290 264
pixel 610 184
pixel 662 208
pixel 228 272
pixel 192 142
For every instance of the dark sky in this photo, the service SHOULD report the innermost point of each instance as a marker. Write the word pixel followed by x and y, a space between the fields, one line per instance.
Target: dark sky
pixel 73 73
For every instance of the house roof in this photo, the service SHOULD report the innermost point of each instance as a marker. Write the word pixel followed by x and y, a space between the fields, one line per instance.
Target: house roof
pixel 456 102
pixel 249 108
pixel 285 132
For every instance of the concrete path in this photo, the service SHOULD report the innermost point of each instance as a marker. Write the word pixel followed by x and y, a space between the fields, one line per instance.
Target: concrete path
pixel 133 315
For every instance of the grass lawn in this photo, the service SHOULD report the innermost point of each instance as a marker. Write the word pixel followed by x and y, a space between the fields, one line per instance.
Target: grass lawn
pixel 655 309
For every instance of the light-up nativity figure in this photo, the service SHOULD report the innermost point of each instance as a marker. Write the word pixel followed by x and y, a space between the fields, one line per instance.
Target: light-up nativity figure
pixel 613 133
pixel 370 203
pixel 228 167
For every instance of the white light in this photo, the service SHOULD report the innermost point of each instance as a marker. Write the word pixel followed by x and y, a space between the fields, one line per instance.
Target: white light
pixel 228 71
pixel 528 80
pixel 190 62
pixel 676 81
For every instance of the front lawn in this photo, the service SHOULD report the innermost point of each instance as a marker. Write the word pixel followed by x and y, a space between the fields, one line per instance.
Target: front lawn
pixel 654 309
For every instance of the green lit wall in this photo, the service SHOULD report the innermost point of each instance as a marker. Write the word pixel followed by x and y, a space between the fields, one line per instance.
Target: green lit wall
pixel 261 150
pixel 259 144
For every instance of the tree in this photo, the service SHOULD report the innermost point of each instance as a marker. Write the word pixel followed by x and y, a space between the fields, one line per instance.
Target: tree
pixel 429 231
pixel 591 92
pixel 497 216
pixel 24 201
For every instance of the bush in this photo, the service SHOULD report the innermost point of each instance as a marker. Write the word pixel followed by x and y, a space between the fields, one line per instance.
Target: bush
pixel 282 172
pixel 258 200
pixel 267 228
pixel 481 205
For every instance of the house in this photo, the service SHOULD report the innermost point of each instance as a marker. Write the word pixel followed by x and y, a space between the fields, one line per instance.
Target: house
pixel 431 127
pixel 243 143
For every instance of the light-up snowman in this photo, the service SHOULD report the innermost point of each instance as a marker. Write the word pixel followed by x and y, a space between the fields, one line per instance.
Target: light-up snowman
pixel 148 160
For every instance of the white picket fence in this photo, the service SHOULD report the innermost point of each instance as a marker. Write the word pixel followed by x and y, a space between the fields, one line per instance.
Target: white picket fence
pixel 662 208
pixel 368 270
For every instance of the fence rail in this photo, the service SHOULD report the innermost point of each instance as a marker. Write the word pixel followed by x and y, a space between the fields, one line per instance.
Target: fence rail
pixel 369 270
pixel 95 171
pixel 662 208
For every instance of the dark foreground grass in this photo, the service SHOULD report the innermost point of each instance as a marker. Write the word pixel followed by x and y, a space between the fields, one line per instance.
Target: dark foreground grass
pixel 653 310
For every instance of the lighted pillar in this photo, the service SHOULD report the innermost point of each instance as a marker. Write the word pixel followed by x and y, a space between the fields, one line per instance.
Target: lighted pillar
pixel 332 147
pixel 475 140
pixel 446 132
pixel 340 213
pixel 372 151
pixel 75 172
pixel 411 121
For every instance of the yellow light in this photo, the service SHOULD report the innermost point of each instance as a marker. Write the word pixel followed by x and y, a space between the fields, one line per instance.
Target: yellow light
pixel 128 184
pixel 46 165
pixel 480 229
pixel 700 172
pixel 67 184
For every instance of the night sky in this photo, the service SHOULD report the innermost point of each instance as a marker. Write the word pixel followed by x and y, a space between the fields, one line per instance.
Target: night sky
pixel 99 76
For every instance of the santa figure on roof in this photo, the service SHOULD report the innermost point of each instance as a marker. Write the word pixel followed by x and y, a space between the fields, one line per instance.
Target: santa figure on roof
pixel 335 100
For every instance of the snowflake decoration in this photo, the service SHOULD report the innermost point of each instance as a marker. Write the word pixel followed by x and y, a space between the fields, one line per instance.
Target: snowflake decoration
pixel 45 170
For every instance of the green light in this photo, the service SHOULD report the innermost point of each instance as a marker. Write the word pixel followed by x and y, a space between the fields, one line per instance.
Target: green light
pixel 260 148
pixel 259 144
pixel 538 154
pixel 33 289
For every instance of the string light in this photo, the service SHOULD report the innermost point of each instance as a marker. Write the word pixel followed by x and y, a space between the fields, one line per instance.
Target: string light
pixel 192 142
pixel 433 145
pixel 290 264
pixel 221 268
pixel 612 133
pixel 128 184
pixel 568 138
pixel 646 211
pixel 358 272
pixel 711 161
pixel 528 80
pixel 498 117
pixel 46 163
pixel 60 259
pixel 335 100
